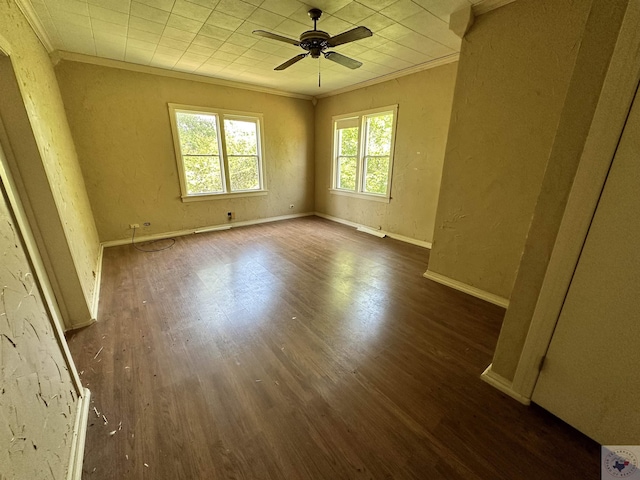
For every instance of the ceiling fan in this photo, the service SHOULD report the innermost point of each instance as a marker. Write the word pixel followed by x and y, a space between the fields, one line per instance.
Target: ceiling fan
pixel 315 42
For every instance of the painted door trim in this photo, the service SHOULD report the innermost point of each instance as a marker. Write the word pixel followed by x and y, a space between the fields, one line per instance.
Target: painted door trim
pixel 608 123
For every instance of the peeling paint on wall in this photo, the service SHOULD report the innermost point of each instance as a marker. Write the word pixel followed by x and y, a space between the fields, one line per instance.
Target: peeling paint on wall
pixel 64 180
pixel 37 399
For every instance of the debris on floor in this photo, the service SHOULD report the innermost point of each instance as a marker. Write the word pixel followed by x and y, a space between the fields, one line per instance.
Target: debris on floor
pixel 96 355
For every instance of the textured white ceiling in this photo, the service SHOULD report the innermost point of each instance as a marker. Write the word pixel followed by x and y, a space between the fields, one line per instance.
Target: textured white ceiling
pixel 213 37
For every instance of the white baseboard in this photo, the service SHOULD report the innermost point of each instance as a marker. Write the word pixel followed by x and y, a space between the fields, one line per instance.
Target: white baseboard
pixel 211 228
pixel 148 238
pixel 91 321
pixel 504 385
pixel 337 220
pixel 468 289
pixel 371 231
pixel 246 223
pixel 412 241
pixel 79 434
pixel 96 289
pixel 395 236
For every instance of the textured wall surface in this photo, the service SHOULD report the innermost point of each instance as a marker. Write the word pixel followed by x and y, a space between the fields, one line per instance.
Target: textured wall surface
pixel 44 107
pixel 424 108
pixel 37 396
pixel 120 122
pixel 515 67
pixel 596 47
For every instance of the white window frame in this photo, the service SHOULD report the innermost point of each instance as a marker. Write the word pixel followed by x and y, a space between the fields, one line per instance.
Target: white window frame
pixel 360 118
pixel 220 115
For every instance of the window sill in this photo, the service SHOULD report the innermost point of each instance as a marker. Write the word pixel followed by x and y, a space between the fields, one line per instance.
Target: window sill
pixel 216 196
pixel 363 196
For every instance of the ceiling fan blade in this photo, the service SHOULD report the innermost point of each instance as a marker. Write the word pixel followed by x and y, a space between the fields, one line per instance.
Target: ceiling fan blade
pixel 274 36
pixel 342 60
pixel 291 61
pixel 352 35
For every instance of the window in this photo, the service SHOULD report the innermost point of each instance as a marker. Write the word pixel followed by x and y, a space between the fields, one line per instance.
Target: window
pixel 363 153
pixel 218 152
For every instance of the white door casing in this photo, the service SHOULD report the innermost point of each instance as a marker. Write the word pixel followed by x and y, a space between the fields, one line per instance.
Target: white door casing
pixel 590 376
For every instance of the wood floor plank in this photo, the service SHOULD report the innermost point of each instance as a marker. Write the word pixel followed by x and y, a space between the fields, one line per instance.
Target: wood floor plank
pixel 302 349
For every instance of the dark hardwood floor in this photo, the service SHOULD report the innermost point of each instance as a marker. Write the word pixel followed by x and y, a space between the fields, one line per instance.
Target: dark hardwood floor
pixel 302 349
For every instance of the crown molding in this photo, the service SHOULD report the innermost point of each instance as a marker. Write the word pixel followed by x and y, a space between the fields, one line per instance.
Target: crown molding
pixel 400 73
pixel 58 55
pixel 30 14
pixel 487 6
pixel 134 67
pixel 32 18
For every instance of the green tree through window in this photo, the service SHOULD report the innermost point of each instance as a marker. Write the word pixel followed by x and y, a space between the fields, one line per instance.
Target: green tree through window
pixel 241 138
pixel 377 151
pixel 363 152
pixel 200 152
pixel 207 167
pixel 347 157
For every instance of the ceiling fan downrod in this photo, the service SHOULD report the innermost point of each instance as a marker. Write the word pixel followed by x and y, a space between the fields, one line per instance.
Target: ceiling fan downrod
pixel 315 14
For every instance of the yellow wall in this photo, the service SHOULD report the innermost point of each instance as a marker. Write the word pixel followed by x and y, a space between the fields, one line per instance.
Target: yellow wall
pixel 594 348
pixel 38 405
pixel 120 123
pixel 77 249
pixel 515 67
pixel 424 107
pixel 595 50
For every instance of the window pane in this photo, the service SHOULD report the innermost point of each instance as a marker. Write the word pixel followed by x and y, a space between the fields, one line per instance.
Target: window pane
pixel 348 141
pixel 198 134
pixel 241 137
pixel 347 172
pixel 202 174
pixel 379 134
pixel 376 176
pixel 243 173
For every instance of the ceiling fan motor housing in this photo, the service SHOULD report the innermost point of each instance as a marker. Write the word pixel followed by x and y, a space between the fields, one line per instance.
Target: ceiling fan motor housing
pixel 314 41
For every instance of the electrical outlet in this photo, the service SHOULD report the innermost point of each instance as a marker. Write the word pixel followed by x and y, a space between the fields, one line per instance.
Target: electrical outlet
pixel 134 225
pixel 291 206
pixel 231 215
